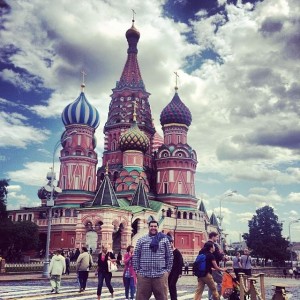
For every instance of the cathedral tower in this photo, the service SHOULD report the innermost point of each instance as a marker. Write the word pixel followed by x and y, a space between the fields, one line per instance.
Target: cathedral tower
pixel 176 161
pixel 129 89
pixel 78 158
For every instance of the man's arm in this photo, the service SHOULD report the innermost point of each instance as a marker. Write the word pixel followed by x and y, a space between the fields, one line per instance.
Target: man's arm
pixel 136 256
pixel 168 256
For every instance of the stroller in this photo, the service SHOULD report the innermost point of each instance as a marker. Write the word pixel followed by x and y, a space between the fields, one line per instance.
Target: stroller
pixel 230 285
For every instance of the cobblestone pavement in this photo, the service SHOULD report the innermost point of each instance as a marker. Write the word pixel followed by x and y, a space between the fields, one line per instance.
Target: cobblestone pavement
pixel 33 286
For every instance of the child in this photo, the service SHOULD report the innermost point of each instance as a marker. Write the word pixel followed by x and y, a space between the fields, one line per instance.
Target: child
pixel 229 283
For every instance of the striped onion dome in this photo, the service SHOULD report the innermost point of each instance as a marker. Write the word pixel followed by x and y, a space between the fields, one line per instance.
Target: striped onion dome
pixel 134 139
pixel 176 112
pixel 81 112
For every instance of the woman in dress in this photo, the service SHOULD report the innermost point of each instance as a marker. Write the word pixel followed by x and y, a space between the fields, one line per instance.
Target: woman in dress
pixel 102 271
pixel 129 276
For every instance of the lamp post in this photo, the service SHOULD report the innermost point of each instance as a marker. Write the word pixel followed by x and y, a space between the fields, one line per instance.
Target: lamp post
pixel 291 244
pixel 229 194
pixel 53 190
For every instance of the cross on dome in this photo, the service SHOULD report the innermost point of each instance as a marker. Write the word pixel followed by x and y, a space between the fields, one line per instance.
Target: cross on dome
pixel 133 13
pixel 176 77
pixel 83 83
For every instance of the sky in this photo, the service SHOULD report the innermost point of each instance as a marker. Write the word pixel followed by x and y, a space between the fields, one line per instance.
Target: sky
pixel 238 66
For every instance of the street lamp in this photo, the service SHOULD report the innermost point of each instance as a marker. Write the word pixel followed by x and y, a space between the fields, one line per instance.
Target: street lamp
pixel 291 244
pixel 229 194
pixel 53 190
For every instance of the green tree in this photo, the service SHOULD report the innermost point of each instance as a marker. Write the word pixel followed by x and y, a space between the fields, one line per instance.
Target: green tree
pixel 4 183
pixel 265 235
pixel 16 237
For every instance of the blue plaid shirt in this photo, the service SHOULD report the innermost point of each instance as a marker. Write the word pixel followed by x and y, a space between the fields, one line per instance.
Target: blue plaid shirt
pixel 152 264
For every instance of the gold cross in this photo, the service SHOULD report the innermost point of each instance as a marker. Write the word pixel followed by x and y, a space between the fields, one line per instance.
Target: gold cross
pixel 83 74
pixel 133 13
pixel 177 76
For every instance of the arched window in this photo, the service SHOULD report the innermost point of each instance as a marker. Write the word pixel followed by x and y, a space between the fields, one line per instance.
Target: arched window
pixel 185 215
pixel 191 216
pixel 169 212
pixel 68 212
pixel 165 188
pixel 114 145
pixel 178 215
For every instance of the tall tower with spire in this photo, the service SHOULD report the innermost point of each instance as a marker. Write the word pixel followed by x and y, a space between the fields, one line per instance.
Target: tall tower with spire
pixel 78 158
pixel 129 89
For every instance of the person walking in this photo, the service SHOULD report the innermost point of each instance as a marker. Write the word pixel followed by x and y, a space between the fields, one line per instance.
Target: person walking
pixel 83 264
pixel 186 268
pixel 119 259
pixel 176 270
pixel 217 275
pixel 152 261
pixel 56 269
pixel 102 271
pixel 246 262
pixel 67 264
pixel 76 254
pixel 129 276
pixel 237 267
pixel 208 250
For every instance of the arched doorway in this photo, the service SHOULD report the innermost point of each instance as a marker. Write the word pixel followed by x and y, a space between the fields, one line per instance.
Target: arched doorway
pixel 116 237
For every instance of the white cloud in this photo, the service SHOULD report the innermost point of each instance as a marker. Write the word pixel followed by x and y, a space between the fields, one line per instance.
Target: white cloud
pixel 15 131
pixel 33 174
pixel 16 200
pixel 294 197
pixel 14 188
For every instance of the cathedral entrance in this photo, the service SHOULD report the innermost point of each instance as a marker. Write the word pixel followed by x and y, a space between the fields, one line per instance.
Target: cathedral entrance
pixel 116 237
pixel 91 240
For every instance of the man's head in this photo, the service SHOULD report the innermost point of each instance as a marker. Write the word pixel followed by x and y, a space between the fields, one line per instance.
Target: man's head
pixel 209 247
pixel 153 227
pixel 213 236
pixel 57 252
pixel 246 251
pixel 84 249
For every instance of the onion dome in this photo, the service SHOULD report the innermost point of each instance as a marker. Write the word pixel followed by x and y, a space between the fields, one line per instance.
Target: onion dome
pixel 134 139
pixel 81 112
pixel 132 36
pixel 176 112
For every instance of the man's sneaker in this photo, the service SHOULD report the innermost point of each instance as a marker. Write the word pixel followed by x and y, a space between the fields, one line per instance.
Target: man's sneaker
pixel 52 291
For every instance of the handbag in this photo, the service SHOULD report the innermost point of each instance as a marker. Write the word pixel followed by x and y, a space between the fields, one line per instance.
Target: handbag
pixel 112 267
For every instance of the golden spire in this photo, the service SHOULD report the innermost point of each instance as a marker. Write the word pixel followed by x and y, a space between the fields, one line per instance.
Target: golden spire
pixel 106 169
pixel 83 84
pixel 134 111
pixel 176 77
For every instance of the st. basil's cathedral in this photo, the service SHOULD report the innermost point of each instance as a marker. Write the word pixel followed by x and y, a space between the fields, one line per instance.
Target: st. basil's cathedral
pixel 142 177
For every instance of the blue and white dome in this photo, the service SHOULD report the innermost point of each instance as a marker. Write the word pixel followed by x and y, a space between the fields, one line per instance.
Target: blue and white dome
pixel 81 112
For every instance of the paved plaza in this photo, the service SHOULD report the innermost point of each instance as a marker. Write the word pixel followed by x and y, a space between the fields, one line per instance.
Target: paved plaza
pixel 33 286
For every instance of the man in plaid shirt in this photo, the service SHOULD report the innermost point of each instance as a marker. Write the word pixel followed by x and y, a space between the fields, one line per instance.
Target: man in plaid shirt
pixel 152 261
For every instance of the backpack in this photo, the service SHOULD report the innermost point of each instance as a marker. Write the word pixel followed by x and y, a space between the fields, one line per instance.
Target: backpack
pixel 199 266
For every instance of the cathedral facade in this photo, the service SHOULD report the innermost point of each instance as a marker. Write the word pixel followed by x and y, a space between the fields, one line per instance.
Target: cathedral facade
pixel 142 176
